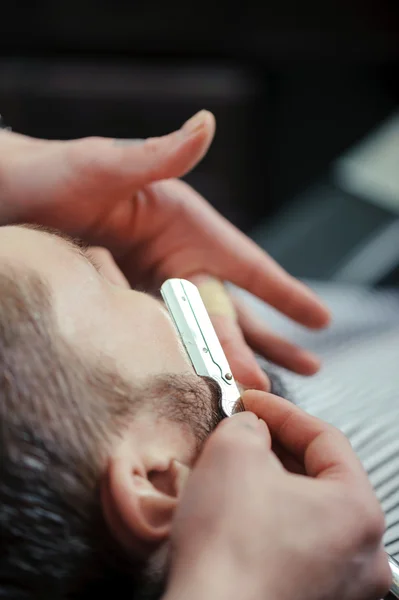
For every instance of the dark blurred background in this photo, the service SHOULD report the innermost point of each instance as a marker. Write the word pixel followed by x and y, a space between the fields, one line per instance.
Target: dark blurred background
pixel 294 86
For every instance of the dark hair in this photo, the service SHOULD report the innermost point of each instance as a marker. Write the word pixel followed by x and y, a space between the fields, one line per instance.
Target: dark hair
pixel 56 424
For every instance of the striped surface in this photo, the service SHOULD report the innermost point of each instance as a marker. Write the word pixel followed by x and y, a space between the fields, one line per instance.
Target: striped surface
pixel 357 389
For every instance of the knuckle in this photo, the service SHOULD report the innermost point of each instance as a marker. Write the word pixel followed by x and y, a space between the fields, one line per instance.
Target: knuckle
pixel 384 580
pixel 151 146
pixel 237 439
pixel 339 439
pixel 90 154
pixel 381 575
pixel 337 434
pixel 375 528
pixel 91 141
pixel 369 517
pixel 177 185
pixel 92 145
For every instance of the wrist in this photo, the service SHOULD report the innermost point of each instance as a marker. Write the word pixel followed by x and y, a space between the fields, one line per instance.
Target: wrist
pixel 194 591
pixel 214 580
pixel 198 581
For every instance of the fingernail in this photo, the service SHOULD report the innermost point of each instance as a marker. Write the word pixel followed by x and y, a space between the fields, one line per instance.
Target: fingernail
pixel 194 124
pixel 311 362
pixel 249 421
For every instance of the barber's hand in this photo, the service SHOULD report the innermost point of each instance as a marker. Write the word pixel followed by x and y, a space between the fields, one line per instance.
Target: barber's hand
pixel 249 528
pixel 122 195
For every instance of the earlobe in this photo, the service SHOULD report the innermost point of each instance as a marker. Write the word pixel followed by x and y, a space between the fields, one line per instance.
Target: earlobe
pixel 139 505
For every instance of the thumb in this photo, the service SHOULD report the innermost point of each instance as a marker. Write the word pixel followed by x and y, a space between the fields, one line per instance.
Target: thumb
pixel 139 162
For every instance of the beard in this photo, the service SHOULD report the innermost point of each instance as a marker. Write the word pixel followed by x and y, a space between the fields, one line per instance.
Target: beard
pixel 194 403
pixel 189 400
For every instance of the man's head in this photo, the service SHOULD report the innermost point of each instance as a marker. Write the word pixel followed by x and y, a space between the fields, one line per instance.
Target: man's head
pixel 101 417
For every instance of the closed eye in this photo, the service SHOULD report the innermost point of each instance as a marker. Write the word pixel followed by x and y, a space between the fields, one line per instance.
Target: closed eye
pixel 85 252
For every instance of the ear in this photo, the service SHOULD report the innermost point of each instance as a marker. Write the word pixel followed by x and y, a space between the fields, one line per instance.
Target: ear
pixel 139 503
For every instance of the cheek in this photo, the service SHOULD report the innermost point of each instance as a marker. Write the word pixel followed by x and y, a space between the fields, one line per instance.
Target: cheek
pixel 145 336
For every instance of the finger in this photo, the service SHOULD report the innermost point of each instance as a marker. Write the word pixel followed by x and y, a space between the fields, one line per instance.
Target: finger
pixel 222 313
pixel 288 460
pixel 271 346
pixel 253 270
pixel 214 295
pixel 143 161
pixel 324 451
pixel 104 262
pixel 239 447
pixel 246 419
pixel 239 355
pixel 229 255
pixel 235 436
pixel 376 575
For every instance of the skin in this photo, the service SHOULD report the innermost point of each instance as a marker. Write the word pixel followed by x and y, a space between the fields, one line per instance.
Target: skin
pixel 278 534
pixel 128 198
pixel 148 495
pixel 87 306
pixel 149 460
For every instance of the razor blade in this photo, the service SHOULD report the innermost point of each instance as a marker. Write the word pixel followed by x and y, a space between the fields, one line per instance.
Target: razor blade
pixel 199 339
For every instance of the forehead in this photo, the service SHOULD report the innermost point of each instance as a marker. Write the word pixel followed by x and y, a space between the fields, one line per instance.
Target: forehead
pixel 57 261
pixel 35 246
pixel 50 254
pixel 89 312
